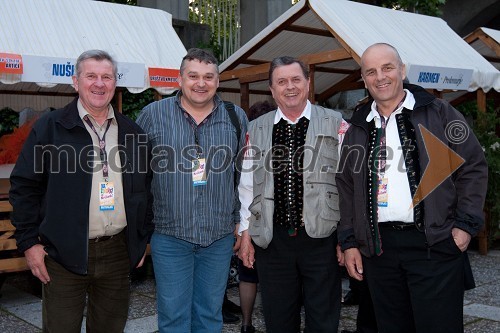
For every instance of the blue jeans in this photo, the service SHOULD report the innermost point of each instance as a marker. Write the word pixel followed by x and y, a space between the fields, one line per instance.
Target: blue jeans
pixel 190 283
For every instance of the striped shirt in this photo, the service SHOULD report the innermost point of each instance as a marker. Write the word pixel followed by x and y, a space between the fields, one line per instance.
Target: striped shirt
pixel 197 214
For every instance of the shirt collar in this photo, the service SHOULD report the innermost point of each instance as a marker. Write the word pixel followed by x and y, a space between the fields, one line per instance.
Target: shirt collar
pixel 408 103
pixel 82 112
pixel 305 113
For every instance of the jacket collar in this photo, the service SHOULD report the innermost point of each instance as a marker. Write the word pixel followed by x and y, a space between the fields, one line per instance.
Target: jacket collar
pixel 422 98
pixel 70 119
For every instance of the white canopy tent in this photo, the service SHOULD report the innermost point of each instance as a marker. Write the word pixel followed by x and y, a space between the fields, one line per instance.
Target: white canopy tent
pixel 330 37
pixel 49 35
pixel 486 41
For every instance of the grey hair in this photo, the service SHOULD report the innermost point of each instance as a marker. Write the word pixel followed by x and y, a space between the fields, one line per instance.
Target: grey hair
pixel 98 55
pixel 283 61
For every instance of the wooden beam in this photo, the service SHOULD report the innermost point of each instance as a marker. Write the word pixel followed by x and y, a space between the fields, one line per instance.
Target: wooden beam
pixel 255 78
pixel 325 57
pixel 340 86
pixel 308 30
pixel 469 96
pixel 437 93
pixel 308 59
pixel 267 38
pixel 481 35
pixel 251 91
pixel 322 69
pixel 242 72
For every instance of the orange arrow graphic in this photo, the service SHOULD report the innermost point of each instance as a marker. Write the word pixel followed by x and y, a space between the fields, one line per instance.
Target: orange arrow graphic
pixel 442 163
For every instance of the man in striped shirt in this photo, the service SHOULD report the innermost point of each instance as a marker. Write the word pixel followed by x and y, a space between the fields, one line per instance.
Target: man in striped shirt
pixel 195 154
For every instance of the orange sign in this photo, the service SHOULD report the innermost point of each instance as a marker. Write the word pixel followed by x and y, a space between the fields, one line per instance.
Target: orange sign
pixel 163 77
pixel 11 63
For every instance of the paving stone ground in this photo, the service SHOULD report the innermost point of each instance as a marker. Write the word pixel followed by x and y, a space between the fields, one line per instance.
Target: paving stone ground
pixel 20 303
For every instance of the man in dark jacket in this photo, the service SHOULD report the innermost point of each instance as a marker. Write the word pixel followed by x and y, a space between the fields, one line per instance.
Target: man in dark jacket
pixel 82 203
pixel 412 186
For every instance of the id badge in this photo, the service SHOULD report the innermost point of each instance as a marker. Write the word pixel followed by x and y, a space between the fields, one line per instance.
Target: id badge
pixel 382 192
pixel 199 175
pixel 106 196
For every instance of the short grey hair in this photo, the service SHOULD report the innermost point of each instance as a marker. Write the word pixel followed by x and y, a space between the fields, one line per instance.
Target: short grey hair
pixel 98 55
pixel 283 61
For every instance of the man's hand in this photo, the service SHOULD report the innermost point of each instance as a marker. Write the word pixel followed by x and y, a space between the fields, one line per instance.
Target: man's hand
pixel 353 263
pixel 461 238
pixel 142 260
pixel 35 258
pixel 340 256
pixel 246 252
pixel 237 244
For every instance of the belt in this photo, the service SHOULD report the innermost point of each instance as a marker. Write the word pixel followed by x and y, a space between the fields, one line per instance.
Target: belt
pixel 102 238
pixel 401 226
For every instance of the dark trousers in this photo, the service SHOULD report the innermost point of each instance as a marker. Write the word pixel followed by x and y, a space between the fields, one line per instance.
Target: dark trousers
pixel 299 268
pixel 365 319
pixel 415 288
pixel 106 284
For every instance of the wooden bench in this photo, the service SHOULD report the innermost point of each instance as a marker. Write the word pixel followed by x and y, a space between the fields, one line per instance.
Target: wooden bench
pixel 10 259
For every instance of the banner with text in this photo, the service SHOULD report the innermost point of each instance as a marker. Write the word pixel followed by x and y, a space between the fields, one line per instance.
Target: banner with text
pixel 60 70
pixel 440 77
pixel 11 63
pixel 163 77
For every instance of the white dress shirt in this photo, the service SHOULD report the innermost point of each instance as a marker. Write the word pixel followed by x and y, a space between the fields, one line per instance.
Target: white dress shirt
pixel 399 201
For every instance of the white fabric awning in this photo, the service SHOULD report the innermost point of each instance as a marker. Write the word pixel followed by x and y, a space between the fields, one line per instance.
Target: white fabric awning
pixel 49 35
pixel 332 35
pixel 486 41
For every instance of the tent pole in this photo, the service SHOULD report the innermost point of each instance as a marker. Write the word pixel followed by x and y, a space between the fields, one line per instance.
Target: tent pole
pixel 312 69
pixel 157 96
pixel 245 96
pixel 481 100
pixel 119 100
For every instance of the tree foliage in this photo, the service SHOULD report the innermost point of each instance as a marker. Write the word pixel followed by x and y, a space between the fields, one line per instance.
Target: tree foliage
pixel 426 7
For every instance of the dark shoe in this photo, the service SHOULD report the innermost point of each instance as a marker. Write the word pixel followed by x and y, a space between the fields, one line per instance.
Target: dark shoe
pixel 228 317
pixel 247 329
pixel 350 299
pixel 230 306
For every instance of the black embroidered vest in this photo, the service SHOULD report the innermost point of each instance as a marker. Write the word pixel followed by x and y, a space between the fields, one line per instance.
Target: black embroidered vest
pixel 288 165
pixel 408 141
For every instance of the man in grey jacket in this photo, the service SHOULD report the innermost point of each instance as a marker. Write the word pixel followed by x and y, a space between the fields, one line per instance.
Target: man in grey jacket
pixel 290 205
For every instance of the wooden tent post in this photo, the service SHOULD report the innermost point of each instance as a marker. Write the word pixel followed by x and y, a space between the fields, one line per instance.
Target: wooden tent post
pixel 245 96
pixel 157 96
pixel 119 100
pixel 312 97
pixel 481 100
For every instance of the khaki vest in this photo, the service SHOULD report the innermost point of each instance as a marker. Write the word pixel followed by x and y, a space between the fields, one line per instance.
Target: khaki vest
pixel 321 156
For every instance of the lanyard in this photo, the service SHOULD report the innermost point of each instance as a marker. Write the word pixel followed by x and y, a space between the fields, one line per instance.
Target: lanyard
pixel 102 146
pixel 195 128
pixel 383 139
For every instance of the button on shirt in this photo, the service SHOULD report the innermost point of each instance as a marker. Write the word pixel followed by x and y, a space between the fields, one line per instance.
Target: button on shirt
pixel 197 214
pixel 399 207
pixel 107 222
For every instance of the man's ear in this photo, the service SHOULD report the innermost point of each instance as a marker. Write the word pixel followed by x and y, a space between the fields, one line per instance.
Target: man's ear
pixel 75 82
pixel 403 71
